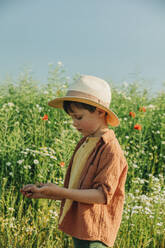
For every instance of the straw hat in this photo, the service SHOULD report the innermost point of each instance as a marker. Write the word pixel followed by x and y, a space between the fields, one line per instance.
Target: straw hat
pixel 90 90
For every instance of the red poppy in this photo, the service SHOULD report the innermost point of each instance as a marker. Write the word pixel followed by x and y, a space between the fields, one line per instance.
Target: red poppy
pixel 62 164
pixel 45 118
pixel 138 127
pixel 142 109
pixel 132 114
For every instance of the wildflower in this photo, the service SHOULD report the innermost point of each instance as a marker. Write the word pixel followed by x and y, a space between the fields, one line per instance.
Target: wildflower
pixel 138 127
pixel 142 109
pixel 24 152
pixel 147 211
pixel 132 114
pixel 159 224
pixel 10 104
pixel 27 167
pixel 59 63
pixel 11 209
pixel 45 118
pixel 20 161
pixel 125 84
pixel 151 106
pixel 62 164
pixel 8 163
pixel 53 157
pixel 38 107
pixel 54 213
pixel 36 161
pixel 137 207
pixel 135 166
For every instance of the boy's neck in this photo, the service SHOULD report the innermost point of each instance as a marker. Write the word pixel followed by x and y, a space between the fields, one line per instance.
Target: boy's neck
pixel 99 132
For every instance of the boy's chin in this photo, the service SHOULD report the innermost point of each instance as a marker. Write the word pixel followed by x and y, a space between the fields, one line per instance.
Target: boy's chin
pixel 82 132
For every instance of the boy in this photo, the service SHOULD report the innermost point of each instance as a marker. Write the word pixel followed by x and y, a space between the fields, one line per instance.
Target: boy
pixel 93 192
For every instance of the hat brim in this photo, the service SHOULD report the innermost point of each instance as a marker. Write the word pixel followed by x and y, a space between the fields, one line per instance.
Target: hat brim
pixel 112 118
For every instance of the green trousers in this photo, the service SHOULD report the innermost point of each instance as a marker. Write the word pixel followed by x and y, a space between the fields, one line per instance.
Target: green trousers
pixel 78 243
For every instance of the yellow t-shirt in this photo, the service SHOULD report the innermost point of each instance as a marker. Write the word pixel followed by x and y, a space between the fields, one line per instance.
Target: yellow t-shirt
pixel 79 161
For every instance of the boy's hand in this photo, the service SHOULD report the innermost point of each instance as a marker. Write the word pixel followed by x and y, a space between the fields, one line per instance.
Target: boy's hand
pixel 31 191
pixel 36 191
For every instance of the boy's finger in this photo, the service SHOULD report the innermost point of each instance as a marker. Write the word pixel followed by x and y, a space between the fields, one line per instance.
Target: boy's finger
pixel 28 188
pixel 39 185
pixel 29 195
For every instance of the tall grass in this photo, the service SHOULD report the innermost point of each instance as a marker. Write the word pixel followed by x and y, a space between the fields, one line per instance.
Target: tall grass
pixel 36 150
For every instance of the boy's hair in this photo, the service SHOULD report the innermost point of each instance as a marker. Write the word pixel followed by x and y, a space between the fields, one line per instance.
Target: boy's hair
pixel 67 106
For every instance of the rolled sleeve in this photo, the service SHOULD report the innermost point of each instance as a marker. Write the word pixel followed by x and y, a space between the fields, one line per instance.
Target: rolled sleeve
pixel 108 174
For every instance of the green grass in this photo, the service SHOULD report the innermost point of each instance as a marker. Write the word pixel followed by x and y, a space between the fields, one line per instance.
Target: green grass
pixel 32 149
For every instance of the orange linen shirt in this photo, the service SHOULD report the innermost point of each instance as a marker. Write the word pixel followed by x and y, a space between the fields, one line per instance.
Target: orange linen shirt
pixel 106 166
pixel 79 160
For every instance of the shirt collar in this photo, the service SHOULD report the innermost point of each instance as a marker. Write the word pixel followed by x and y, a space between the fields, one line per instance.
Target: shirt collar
pixel 108 136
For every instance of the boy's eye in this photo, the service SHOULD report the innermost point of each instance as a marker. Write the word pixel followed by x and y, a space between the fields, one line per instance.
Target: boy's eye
pixel 76 117
pixel 79 117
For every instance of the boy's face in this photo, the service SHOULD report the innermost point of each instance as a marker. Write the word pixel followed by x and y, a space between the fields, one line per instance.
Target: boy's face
pixel 86 122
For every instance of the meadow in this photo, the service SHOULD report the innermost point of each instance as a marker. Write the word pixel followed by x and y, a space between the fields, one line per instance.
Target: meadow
pixel 37 141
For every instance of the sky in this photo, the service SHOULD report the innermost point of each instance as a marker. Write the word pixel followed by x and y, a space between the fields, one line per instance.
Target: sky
pixel 117 40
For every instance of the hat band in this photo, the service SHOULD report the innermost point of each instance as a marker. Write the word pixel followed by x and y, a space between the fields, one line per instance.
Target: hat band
pixel 80 94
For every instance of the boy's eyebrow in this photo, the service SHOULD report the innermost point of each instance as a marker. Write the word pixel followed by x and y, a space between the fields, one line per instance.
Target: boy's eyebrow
pixel 74 114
